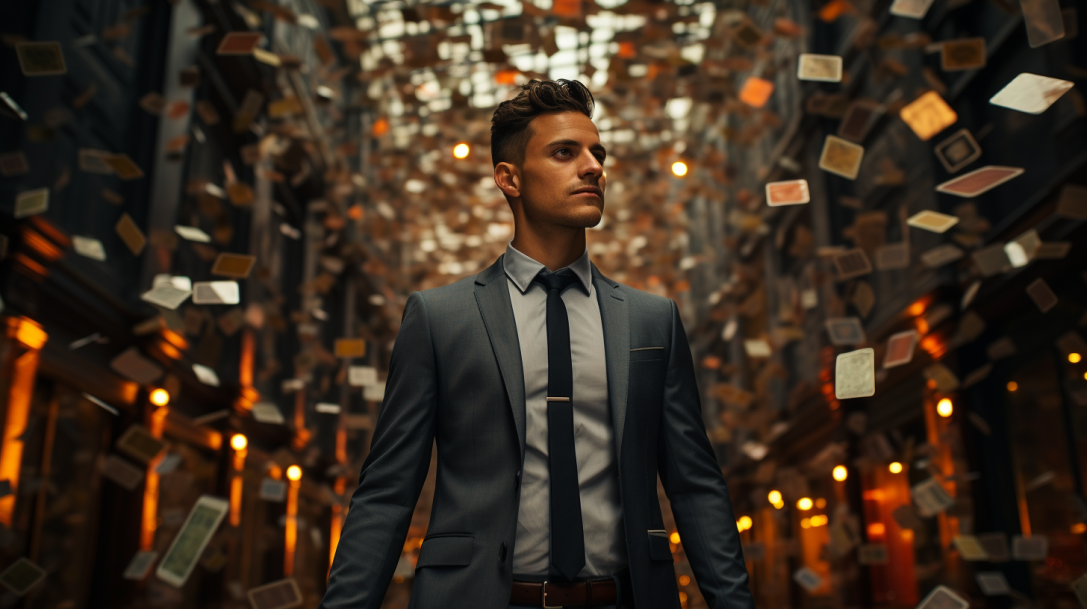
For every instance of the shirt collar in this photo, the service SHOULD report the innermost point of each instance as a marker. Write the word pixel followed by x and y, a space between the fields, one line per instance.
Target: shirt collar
pixel 522 269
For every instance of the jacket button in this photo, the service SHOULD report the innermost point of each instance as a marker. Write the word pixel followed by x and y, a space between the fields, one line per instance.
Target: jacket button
pixel 502 552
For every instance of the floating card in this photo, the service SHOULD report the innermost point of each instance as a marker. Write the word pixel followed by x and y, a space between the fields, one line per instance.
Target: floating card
pixel 178 562
pixel 140 565
pixel 992 260
pixel 273 490
pixel 361 376
pixel 10 108
pixel 852 263
pixel 945 379
pixel 1031 93
pixel 205 375
pixel 747 35
pixel 841 157
pixel 138 443
pixel 1000 349
pixel 169 463
pixel 756 91
pixel 94 161
pixel 350 347
pixel 791 192
pixel 1035 547
pixel 928 115
pixel 996 546
pixel 130 234
pixel 979 181
pixel 166 295
pixel 858 120
pixel 855 374
pixel 88 247
pixel 282 594
pixel 31 202
pixel 21 576
pixel 327 408
pixel 1044 21
pixel 958 151
pixel 1040 292
pixel 932 221
pixel 808 579
pixel 863 298
pixel 1021 250
pixel 239 43
pixel 1080 588
pixel 1072 202
pixel 132 365
pixel 914 9
pixel 191 233
pixel 992 583
pixel 900 349
pixel 930 497
pixel 845 331
pixel 41 58
pixel 122 472
pixel 893 256
pixel 757 348
pixel 962 54
pixel 941 255
pixel 872 554
pixel 822 68
pixel 233 265
pixel 216 292
pixel 376 392
pixel 970 548
pixel 124 167
pixel 1053 250
pixel 13 164
pixel 943 597
pixel 266 412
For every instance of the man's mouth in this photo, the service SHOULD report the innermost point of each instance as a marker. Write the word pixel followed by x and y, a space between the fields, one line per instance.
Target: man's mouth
pixel 589 190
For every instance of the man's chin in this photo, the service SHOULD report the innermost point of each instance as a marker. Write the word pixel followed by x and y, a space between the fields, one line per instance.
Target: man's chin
pixel 587 216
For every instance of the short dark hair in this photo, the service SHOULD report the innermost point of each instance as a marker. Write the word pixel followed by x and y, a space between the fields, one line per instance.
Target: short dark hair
pixel 510 132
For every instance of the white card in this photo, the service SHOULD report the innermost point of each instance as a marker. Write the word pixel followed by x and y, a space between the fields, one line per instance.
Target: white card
pixel 89 247
pixel 855 374
pixel 361 376
pixel 166 295
pixel 1031 93
pixel 216 292
pixel 206 375
pixel 192 233
pixel 266 412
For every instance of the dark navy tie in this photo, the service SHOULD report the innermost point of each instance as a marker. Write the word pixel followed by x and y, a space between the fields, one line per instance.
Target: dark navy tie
pixel 567 533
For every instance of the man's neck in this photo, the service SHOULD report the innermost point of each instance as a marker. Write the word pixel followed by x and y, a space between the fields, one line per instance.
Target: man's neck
pixel 554 250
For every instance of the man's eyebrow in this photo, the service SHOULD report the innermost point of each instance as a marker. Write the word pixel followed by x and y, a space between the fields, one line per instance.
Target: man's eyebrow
pixel 594 146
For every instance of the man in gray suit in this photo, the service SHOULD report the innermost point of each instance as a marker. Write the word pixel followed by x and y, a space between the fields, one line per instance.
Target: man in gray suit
pixel 555 397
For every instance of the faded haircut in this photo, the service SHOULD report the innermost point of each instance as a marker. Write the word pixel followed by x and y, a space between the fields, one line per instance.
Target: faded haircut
pixel 510 131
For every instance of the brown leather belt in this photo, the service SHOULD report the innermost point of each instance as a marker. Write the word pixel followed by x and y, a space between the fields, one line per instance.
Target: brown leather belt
pixel 593 592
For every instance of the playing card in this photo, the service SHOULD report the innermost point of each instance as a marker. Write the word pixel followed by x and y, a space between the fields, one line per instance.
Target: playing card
pixel 791 192
pixel 124 167
pixel 958 151
pixel 140 565
pixel 248 110
pixel 942 376
pixel 89 247
pixel 852 263
pixel 845 331
pixel 205 375
pixel 122 472
pixel 893 256
pixel 41 58
pixel 979 181
pixel 1021 250
pixel 756 91
pixel 132 365
pixel 757 348
pixel 928 115
pixel 943 597
pixel 31 202
pixel 808 579
pixel 932 221
pixel 1080 588
pixel 1044 21
pixel 95 161
pixel 970 548
pixel 863 298
pixel 747 35
pixel 154 103
pixel 823 68
pixel 10 108
pixel 1054 250
pixel 872 554
pixel 1030 548
pixel 962 54
pixel 858 119
pixel 273 490
pixel 13 164
pixel 930 497
pixel 376 392
pixel 1040 292
pixel 282 594
pixel 914 9
pixel 900 349
pixel 361 376
pixel 207 112
pixel 216 292
pixel 1031 93
pixel 969 294
pixel 21 576
pixel 138 443
pixel 233 265
pixel 992 260
pixel 996 546
pixel 855 374
pixel 192 233
pixel 327 408
pixel 239 43
pixel 266 412
pixel 841 157
pixel 350 347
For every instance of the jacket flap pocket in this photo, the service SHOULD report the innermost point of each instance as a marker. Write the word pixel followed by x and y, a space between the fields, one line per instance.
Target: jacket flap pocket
pixel 446 551
pixel 647 354
pixel 659 548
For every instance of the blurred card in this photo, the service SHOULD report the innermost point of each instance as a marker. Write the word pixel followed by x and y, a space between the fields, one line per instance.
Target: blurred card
pixel 979 181
pixel 327 408
pixel 216 292
pixel 233 265
pixel 996 546
pixel 900 349
pixel 132 365
pixel 376 392
pixel 932 221
pixel 893 256
pixel 1040 292
pixel 855 374
pixel 942 376
pixel 928 115
pixel 10 108
pixel 166 295
pixel 170 462
pixel 283 594
pixel 192 233
pixel 138 443
pixel 992 583
pixel 273 490
pixel 207 112
pixel 239 43
pixel 845 331
pixel 130 234
pixel 13 164
pixel 852 263
pixel 863 298
pixel 808 579
pixel 41 58
pixel 969 294
pixel 1031 93
pixel 205 375
pixel 757 348
pixel 841 157
pixel 140 565
pixel 95 161
pixel 1044 21
pixel 1080 588
pixel 153 103
pixel 21 576
pixel 943 597
pixel 1000 349
pixel 872 554
pixel 859 118
pixel 992 260
pixel 962 54
pixel 914 9
pixel 822 68
pixel 31 202
pixel 1054 250
pixel 747 35
pixel 350 347
pixel 361 376
pixel 970 548
pixel 958 151
pixel 267 412
pixel 124 167
pixel 122 472
pixel 791 192
pixel 1030 548
pixel 187 547
pixel 930 497
pixel 89 247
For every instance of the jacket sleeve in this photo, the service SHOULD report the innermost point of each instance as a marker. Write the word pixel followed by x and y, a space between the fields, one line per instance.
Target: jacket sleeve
pixel 393 474
pixel 696 488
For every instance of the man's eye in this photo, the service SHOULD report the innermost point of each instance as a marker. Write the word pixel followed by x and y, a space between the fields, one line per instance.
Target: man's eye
pixel 563 152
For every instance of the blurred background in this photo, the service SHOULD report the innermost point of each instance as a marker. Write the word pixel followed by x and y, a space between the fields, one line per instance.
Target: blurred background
pixel 213 212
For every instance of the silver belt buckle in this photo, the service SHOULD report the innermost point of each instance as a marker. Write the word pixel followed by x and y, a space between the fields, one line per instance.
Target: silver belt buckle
pixel 543 603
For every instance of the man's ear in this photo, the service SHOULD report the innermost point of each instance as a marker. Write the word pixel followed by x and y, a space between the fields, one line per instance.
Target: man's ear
pixel 508 179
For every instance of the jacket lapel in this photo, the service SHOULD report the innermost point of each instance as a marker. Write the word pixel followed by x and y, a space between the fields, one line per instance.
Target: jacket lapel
pixel 613 315
pixel 493 298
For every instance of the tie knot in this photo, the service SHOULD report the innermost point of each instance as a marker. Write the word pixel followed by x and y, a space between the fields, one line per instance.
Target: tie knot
pixel 556 281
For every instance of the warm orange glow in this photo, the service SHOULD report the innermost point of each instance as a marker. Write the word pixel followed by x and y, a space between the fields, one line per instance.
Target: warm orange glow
pixel 21 370
pixel 684 580
pixel 238 442
pixel 1012 385
pixel 840 473
pixel 876 529
pixel 873 495
pixel 380 128
pixel 1079 528
pixel 683 597
pixel 175 339
pixel 1074 358
pixel 774 497
pixel 917 308
pixel 679 169
pixel 149 524
pixel 674 537
pixel 294 473
pixel 928 115
pixel 290 535
pixel 246 359
pixel 805 523
pixel 461 150
pixel 820 503
pixel 744 523
pixel 944 408
pixel 756 92
pixel 29 333
pixel 819 520
pixel 236 500
pixel 932 345
pixel 506 77
pixel 160 397
pixel 805 503
pixel 895 467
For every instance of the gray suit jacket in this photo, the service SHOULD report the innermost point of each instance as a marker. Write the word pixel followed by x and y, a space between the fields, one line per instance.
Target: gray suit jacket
pixel 456 377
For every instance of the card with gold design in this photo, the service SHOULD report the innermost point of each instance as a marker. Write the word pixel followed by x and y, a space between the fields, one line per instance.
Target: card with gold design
pixel 928 115
pixel 914 9
pixel 932 221
pixel 979 181
pixel 124 167
pixel 129 232
pixel 962 54
pixel 233 265
pixel 41 58
pixel 821 68
pixel 958 151
pixel 841 157
pixel 31 202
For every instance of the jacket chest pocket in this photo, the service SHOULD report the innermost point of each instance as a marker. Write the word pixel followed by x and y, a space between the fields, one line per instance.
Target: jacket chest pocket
pixel 446 550
pixel 647 368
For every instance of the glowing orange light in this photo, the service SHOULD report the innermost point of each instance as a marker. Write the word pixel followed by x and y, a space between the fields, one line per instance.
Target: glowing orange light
pixel 944 408
pixel 917 308
pixel 21 372
pixel 928 115
pixel 1012 385
pixel 774 497
pixel 238 441
pixel 805 503
pixel 806 523
pixel 461 150
pixel 679 169
pixel 294 473
pixel 840 473
pixel 674 537
pixel 895 467
pixel 820 503
pixel 745 523
pixel 381 127
pixel 683 597
pixel 876 529
pixel 684 580
pixel 1074 358
pixel 756 92
pixel 627 50
pixel 355 212
pixel 160 397
pixel 506 77
pixel 1079 528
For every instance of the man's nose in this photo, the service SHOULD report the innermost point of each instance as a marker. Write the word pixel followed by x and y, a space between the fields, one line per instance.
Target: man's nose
pixel 591 165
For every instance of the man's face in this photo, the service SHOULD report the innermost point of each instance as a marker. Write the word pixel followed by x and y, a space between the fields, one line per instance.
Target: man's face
pixel 562 176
